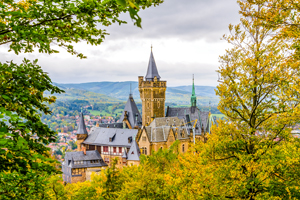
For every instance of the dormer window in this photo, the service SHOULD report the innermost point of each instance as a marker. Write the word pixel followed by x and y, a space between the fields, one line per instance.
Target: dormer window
pixel 129 139
pixel 110 139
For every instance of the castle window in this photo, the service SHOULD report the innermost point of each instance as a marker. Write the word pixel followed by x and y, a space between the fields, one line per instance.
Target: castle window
pixel 120 149
pixel 144 138
pixel 158 104
pixel 148 119
pixel 144 150
pixel 183 148
pixel 87 146
pixel 106 160
pixel 115 149
pixel 148 105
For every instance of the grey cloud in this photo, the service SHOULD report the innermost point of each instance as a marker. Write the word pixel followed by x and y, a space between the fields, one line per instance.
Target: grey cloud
pixel 186 19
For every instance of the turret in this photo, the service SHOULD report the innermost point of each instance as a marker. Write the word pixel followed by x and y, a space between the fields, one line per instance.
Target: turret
pixel 81 132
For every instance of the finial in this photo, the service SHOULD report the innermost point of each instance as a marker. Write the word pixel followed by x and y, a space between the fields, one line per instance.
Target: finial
pixel 81 109
pixel 130 94
pixel 209 106
pixel 151 47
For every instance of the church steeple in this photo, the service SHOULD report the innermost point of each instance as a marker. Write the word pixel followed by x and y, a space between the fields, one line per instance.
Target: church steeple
pixel 193 97
pixel 152 69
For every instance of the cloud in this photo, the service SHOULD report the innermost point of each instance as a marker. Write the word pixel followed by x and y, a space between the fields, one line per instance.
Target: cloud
pixel 185 34
pixel 184 19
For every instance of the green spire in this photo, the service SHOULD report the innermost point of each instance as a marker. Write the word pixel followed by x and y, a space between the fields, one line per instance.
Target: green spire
pixel 193 97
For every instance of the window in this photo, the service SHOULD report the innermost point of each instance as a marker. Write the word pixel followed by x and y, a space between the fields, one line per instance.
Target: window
pixel 115 149
pixel 144 150
pixel 158 104
pixel 144 138
pixel 120 149
pixel 110 139
pixel 106 160
pixel 183 148
pixel 105 149
pixel 94 161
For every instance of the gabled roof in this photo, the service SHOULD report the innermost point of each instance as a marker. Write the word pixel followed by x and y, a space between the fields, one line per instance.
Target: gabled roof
pixel 100 136
pixel 70 157
pixel 132 112
pixel 152 69
pixel 81 126
pixel 134 152
pixel 182 113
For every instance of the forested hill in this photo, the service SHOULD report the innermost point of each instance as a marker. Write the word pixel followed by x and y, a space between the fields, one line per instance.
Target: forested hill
pixel 121 90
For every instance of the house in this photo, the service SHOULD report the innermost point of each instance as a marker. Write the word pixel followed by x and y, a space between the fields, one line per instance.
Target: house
pixel 78 166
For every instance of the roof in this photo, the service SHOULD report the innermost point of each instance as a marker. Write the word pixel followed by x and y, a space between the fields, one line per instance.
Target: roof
pixel 81 126
pixel 160 128
pixel 80 156
pixel 152 69
pixel 132 112
pixel 101 136
pixel 182 113
pixel 112 125
pixel 134 152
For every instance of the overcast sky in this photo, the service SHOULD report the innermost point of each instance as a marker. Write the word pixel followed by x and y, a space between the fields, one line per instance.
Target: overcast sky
pixel 185 35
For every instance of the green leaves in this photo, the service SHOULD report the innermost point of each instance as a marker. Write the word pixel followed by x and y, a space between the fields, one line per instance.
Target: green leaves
pixel 40 23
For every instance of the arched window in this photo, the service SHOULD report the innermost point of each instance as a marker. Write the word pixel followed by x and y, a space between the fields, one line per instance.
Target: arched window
pixel 183 148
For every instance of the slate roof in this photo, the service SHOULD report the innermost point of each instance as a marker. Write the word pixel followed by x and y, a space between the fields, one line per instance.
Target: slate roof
pixel 132 111
pixel 81 126
pixel 112 125
pixel 160 128
pixel 134 152
pixel 100 136
pixel 152 69
pixel 70 157
pixel 182 113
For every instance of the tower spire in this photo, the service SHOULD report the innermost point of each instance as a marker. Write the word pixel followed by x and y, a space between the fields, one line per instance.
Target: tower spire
pixel 152 69
pixel 130 94
pixel 193 97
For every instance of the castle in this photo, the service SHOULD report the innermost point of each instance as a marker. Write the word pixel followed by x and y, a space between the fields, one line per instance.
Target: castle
pixel 136 134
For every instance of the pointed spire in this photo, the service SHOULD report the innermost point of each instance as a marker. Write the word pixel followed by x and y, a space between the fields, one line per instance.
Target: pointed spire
pixel 193 97
pixel 134 152
pixel 81 126
pixel 152 69
pixel 130 94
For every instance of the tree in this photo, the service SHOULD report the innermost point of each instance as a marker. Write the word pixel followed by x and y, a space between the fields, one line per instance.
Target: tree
pixel 30 25
pixel 251 154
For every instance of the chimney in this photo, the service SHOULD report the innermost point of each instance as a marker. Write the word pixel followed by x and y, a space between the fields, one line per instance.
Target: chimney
pixel 84 150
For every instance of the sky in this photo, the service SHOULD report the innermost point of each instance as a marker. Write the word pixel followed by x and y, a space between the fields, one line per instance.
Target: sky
pixel 186 39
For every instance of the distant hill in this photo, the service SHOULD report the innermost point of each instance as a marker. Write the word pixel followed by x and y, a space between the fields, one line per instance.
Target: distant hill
pixel 79 94
pixel 120 90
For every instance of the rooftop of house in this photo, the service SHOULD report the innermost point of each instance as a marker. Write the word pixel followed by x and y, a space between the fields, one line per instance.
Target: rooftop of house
pixel 111 137
pixel 79 159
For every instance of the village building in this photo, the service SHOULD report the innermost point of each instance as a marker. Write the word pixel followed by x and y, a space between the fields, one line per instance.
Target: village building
pixel 111 143
pixel 78 166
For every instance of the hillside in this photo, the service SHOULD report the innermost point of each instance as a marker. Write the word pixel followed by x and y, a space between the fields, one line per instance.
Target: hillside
pixel 79 94
pixel 120 90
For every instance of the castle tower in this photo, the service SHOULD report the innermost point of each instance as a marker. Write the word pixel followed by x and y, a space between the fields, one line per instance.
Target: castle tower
pixel 152 93
pixel 81 132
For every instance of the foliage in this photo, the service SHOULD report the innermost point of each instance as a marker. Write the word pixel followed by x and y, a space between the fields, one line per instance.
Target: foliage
pixel 259 94
pixel 29 24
